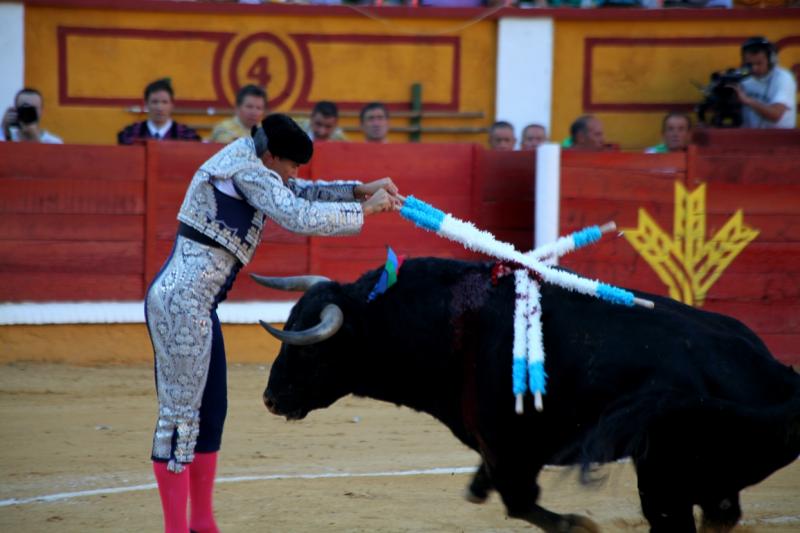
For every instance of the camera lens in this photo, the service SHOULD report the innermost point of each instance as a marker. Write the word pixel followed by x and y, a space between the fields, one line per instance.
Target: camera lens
pixel 27 114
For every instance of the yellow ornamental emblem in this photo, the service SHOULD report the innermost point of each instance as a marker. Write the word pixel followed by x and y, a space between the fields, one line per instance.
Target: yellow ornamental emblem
pixel 687 263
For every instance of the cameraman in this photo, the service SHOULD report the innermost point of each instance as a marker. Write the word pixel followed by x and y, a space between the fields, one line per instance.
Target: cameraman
pixel 21 122
pixel 769 95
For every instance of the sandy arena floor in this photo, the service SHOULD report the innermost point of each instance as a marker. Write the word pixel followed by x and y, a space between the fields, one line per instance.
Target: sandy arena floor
pixel 68 430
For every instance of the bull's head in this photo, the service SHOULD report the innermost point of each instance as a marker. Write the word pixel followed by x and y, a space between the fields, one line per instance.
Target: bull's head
pixel 308 372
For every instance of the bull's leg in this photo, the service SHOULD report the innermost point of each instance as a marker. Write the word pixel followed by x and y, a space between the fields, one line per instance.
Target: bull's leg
pixel 667 514
pixel 551 522
pixel 517 485
pixel 481 485
pixel 664 501
pixel 721 514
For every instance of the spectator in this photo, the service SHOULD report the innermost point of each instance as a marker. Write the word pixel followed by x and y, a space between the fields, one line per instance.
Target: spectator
pixel 532 136
pixel 375 122
pixel 586 134
pixel 501 136
pixel 251 107
pixel 452 3
pixel 158 98
pixel 22 122
pixel 324 123
pixel 769 95
pixel 676 130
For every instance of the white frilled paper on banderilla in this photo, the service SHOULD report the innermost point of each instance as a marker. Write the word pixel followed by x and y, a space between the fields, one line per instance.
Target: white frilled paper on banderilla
pixel 528 372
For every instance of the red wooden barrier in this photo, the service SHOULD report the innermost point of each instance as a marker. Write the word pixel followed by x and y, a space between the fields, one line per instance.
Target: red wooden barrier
pixel 758 172
pixel 439 174
pixel 504 194
pixel 96 223
pixel 72 220
pixel 596 188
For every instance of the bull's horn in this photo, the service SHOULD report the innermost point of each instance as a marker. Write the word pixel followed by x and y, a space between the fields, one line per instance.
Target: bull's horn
pixel 332 319
pixel 288 283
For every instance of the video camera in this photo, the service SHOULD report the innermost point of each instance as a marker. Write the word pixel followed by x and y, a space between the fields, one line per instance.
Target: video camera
pixel 721 99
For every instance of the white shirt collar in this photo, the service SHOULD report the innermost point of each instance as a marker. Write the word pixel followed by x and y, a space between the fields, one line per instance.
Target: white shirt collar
pixel 162 131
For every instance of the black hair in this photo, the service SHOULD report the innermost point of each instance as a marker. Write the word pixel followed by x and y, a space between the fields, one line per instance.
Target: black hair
pixel 581 125
pixel 250 90
pixel 164 84
pixel 500 124
pixel 534 125
pixel 370 106
pixel 758 44
pixel 27 90
pixel 327 109
pixel 286 139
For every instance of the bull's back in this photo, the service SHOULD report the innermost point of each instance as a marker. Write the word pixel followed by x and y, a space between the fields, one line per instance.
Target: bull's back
pixel 629 350
pixel 603 360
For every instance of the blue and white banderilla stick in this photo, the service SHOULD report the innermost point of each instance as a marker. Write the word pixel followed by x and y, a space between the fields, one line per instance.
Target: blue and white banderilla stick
pixel 428 217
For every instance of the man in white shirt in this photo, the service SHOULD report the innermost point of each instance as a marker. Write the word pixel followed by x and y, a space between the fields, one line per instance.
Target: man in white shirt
pixel 769 95
pixel 22 122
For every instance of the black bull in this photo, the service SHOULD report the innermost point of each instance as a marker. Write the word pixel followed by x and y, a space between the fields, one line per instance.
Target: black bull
pixel 693 397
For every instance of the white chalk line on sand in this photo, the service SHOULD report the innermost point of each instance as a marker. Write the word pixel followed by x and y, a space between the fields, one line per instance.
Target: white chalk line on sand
pixel 237 479
pixel 795 519
pixel 775 520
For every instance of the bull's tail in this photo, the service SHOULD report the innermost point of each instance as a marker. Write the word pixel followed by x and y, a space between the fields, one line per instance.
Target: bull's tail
pixel 716 433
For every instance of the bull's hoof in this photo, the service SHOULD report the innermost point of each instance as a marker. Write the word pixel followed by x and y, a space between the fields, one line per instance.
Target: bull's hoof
pixel 475 496
pixel 573 523
pixel 707 527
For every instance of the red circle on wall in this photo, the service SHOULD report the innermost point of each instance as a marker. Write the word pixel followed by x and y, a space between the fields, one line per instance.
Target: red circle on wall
pixel 258 70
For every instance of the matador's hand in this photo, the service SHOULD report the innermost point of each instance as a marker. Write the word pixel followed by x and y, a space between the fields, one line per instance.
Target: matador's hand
pixel 381 201
pixel 365 190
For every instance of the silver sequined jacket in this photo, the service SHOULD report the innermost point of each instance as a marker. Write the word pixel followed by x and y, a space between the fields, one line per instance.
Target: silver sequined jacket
pixel 236 222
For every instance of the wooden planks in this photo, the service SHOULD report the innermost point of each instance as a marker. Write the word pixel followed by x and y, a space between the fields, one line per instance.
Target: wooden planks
pixel 70 286
pixel 615 186
pixel 504 189
pixel 438 174
pixel 73 161
pixel 96 223
pixel 71 222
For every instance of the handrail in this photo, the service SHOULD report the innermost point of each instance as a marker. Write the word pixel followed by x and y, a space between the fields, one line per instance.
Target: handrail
pixel 426 129
pixel 392 129
pixel 224 111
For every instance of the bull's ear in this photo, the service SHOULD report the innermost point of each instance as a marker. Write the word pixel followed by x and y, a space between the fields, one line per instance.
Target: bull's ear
pixel 331 319
pixel 289 283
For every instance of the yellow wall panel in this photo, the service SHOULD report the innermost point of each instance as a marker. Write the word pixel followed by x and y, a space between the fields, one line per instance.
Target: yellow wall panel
pixel 92 65
pixel 629 73
pixel 654 74
pixel 96 70
pixel 403 64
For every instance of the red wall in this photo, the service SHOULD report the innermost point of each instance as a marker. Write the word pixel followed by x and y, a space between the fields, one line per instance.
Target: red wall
pixel 96 223
pixel 71 222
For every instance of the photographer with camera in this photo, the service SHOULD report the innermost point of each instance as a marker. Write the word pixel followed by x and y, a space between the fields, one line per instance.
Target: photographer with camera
pixel 769 94
pixel 22 122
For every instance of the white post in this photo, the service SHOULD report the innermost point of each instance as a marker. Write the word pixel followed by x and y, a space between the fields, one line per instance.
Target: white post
pixel 12 59
pixel 547 193
pixel 523 88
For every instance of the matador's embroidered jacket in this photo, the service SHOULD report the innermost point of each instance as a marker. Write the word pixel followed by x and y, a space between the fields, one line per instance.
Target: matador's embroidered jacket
pixel 227 201
pixel 235 220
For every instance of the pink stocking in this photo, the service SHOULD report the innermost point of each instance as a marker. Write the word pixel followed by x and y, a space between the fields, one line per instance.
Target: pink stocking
pixel 201 485
pixel 174 491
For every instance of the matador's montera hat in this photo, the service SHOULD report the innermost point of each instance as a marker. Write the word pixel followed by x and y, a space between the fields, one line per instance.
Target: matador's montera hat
pixel 286 139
